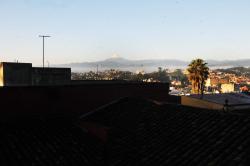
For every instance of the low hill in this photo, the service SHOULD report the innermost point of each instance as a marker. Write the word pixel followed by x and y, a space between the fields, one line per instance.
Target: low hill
pixel 152 64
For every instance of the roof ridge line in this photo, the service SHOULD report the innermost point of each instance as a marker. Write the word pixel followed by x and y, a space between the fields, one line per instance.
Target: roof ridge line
pixel 102 107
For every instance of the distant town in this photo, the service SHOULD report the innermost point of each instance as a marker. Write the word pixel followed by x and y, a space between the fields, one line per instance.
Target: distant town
pixel 236 79
pixel 229 80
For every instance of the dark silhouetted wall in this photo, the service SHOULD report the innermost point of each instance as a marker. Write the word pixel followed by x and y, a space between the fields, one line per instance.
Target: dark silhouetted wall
pixel 16 74
pixel 51 76
pixel 23 74
pixel 73 100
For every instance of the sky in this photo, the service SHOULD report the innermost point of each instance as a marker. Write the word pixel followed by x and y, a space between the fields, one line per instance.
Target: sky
pixel 92 30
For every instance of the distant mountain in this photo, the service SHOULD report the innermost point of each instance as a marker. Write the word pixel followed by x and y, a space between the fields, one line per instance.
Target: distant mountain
pixel 122 63
pixel 233 63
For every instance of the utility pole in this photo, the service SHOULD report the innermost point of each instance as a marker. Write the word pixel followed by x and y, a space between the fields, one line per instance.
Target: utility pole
pixel 43 36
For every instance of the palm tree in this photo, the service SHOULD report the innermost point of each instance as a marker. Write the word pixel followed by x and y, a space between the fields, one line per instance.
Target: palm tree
pixel 198 74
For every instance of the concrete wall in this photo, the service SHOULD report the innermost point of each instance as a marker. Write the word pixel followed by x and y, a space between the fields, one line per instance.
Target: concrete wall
pixel 72 100
pixel 1 75
pixel 51 76
pixel 194 102
pixel 22 74
pixel 17 74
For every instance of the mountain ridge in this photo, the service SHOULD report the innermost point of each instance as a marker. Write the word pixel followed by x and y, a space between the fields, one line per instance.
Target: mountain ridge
pixel 119 62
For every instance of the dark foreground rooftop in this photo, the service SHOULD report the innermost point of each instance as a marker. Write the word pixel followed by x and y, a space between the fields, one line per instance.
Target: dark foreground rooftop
pixel 130 132
pixel 47 143
pixel 146 134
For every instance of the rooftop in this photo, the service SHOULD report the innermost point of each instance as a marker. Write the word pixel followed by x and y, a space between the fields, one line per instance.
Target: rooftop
pixel 47 142
pixel 129 131
pixel 233 98
pixel 144 133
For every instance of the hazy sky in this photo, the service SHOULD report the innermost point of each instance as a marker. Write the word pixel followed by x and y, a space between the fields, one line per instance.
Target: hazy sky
pixel 90 30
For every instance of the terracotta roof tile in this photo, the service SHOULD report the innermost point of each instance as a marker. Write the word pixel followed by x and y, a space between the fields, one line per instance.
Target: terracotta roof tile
pixel 47 144
pixel 173 134
pixel 139 133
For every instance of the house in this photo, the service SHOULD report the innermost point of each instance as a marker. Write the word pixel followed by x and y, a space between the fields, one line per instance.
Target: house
pixel 226 101
pixel 227 88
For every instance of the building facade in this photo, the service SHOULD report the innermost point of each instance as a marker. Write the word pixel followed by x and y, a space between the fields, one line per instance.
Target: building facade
pixel 15 74
pixel 23 74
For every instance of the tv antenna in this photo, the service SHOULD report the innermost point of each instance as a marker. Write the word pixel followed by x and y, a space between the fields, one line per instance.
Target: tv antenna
pixel 43 36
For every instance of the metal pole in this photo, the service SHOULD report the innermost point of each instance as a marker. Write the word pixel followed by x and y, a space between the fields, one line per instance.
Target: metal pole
pixel 43 51
pixel 43 36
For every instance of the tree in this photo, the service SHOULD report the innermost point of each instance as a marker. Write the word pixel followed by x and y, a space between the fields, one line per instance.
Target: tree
pixel 162 75
pixel 178 75
pixel 198 74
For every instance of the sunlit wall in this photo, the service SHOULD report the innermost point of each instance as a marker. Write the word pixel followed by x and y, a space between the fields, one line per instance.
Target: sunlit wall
pixel 1 75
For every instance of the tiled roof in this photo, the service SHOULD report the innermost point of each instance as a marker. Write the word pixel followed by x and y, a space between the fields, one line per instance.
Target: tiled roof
pixel 142 133
pixel 47 143
pixel 233 98
pixel 132 132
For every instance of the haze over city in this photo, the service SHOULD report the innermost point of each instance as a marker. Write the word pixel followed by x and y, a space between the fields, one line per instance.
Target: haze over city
pixel 95 30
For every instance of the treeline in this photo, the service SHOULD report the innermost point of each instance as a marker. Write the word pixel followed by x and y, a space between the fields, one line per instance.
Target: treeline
pixel 162 75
